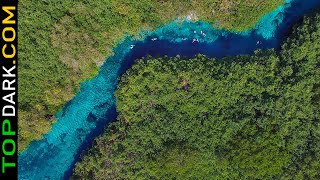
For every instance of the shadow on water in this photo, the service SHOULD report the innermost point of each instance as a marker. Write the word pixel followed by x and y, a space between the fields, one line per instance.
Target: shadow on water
pixel 54 156
pixel 110 115
pixel 223 46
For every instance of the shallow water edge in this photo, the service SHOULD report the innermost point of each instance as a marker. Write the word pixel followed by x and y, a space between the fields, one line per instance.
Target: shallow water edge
pixel 85 116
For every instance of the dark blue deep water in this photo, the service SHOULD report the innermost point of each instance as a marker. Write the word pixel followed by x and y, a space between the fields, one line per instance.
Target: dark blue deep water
pixel 84 117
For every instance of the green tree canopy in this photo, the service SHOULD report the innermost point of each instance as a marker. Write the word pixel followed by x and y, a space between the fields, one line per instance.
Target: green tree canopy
pixel 63 42
pixel 254 117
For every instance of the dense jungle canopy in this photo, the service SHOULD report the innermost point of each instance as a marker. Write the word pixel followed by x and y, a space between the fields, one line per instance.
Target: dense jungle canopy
pixel 243 117
pixel 62 43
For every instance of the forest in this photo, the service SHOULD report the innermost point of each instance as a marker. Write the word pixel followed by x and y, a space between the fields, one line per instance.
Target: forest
pixel 244 117
pixel 63 43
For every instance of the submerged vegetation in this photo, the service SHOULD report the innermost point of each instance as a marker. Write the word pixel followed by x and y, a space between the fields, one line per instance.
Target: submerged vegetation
pixel 62 43
pixel 244 117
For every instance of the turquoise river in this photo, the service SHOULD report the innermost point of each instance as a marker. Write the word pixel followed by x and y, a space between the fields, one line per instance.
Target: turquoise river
pixel 85 116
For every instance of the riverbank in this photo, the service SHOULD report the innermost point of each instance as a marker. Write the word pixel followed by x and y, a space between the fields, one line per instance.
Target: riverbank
pixel 94 106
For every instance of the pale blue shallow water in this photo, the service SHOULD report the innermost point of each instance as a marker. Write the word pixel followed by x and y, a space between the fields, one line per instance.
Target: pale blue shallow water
pixel 84 117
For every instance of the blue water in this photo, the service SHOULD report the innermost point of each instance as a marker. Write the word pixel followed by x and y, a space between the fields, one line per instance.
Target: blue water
pixel 84 117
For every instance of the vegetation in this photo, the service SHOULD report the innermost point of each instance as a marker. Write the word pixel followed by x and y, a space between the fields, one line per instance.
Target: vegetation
pixel 244 117
pixel 61 43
